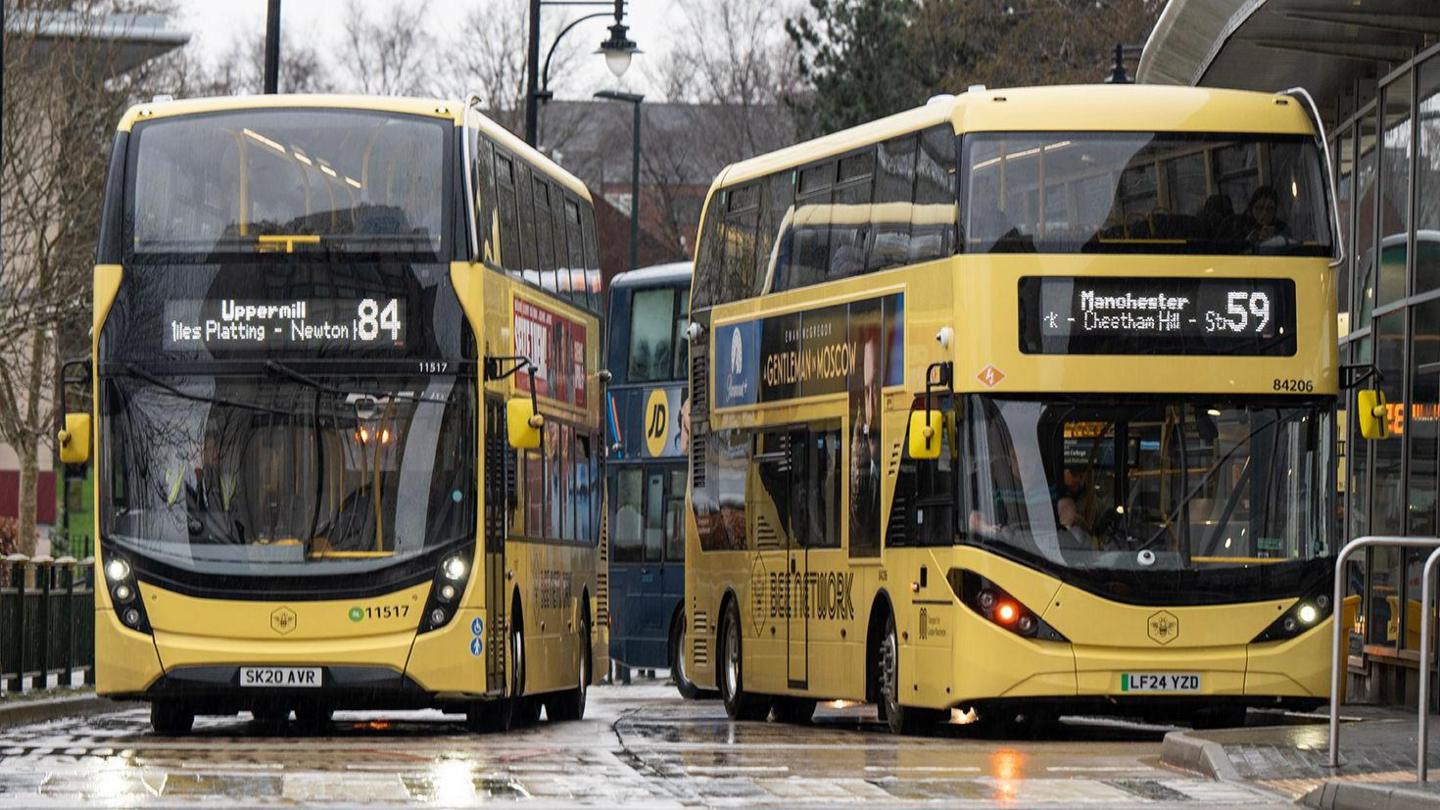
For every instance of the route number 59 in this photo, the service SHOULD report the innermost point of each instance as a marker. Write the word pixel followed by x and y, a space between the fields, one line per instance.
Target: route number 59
pixel 1245 304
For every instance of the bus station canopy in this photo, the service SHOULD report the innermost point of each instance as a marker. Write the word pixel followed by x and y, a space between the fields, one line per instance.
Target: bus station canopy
pixel 1273 45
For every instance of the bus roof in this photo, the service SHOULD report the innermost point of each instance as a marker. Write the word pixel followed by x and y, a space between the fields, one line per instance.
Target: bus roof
pixel 655 275
pixel 449 109
pixel 1094 108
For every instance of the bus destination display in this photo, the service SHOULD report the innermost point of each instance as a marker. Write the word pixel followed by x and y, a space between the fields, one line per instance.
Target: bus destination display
pixel 229 324
pixel 1179 316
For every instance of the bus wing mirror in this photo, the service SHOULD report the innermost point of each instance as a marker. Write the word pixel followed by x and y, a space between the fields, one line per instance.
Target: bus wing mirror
pixel 1371 408
pixel 522 423
pixel 75 439
pixel 925 434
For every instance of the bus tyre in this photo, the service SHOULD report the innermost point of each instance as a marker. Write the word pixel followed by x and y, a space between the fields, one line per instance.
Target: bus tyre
pixel 313 720
pixel 570 704
pixel 683 684
pixel 795 710
pixel 171 718
pixel 1223 716
pixel 900 718
pixel 739 704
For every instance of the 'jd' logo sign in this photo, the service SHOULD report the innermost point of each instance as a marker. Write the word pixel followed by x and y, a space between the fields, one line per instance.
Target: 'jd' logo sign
pixel 657 422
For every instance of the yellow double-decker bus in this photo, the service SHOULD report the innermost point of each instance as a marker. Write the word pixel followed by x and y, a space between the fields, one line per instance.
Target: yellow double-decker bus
pixel 346 415
pixel 1021 401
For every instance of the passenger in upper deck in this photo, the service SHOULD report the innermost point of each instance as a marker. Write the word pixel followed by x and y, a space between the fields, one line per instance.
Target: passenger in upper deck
pixel 1265 228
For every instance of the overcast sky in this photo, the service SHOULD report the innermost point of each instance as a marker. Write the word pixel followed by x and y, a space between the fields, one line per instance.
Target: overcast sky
pixel 215 24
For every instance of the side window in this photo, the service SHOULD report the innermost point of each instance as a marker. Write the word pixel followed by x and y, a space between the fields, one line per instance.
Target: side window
pixel 575 254
pixel 625 535
pixel 553 475
pixel 710 253
pixel 810 228
pixel 509 221
pixel 584 489
pixel 524 186
pixel 850 214
pixel 737 279
pixel 592 257
pixel 772 245
pixel 544 241
pixel 932 222
pixel 773 463
pixel 561 250
pixel 654 514
pixel 483 179
pixel 894 198
pixel 534 493
pixel 679 341
pixel 675 517
pixel 651 319
pixel 567 486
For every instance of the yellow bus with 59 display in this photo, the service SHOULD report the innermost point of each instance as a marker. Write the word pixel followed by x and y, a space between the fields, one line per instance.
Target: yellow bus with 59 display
pixel 1020 402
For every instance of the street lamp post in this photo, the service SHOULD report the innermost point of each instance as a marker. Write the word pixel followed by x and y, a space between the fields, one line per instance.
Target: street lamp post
pixel 635 99
pixel 272 48
pixel 617 48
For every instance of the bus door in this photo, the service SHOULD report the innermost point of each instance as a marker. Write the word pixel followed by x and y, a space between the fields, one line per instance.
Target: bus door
pixel 778 562
pixel 499 489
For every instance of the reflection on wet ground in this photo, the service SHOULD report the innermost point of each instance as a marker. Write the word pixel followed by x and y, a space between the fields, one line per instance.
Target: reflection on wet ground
pixel 639 745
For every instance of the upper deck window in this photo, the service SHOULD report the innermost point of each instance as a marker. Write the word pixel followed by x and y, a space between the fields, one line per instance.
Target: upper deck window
pixel 1063 192
pixel 277 180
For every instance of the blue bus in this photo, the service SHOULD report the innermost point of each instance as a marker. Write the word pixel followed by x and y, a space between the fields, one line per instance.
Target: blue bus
pixel 647 357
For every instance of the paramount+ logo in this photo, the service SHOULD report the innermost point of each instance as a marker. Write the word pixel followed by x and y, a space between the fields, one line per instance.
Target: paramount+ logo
pixel 812 595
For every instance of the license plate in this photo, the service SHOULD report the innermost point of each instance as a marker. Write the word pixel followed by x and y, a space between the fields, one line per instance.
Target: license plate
pixel 1159 682
pixel 280 677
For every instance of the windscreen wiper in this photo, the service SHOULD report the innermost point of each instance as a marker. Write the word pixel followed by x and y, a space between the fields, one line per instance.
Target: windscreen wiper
pixel 159 382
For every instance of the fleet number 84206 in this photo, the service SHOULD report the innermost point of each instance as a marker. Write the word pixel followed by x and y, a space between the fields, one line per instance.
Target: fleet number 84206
pixel 1294 385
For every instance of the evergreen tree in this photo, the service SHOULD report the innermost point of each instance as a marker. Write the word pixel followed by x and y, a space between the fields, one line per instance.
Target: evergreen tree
pixel 854 62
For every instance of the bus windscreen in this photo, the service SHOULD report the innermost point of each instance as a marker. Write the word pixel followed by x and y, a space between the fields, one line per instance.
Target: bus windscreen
pixel 1140 192
pixel 286 181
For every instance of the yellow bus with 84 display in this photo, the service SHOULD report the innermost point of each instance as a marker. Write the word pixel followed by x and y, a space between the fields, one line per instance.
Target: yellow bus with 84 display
pixel 346 415
pixel 1019 402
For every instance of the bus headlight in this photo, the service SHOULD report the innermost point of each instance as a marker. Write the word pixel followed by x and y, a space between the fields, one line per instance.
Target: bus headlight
pixel 450 579
pixel 117 570
pixel 454 569
pixel 124 593
pixel 1307 612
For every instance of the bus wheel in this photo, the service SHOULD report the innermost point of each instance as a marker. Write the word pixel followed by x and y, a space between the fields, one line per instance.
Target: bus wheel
pixel 313 720
pixel 683 684
pixel 901 719
pixel 1223 716
pixel 570 704
pixel 171 718
pixel 739 704
pixel 795 710
pixel 271 715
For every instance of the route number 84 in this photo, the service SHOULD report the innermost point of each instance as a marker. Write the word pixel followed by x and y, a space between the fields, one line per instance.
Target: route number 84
pixel 1245 304
pixel 370 319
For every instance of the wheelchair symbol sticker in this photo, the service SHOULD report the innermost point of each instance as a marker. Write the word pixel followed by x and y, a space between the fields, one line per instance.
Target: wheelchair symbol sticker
pixel 477 627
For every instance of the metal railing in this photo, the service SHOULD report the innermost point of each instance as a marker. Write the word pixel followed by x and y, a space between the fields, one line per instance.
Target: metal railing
pixel 1427 621
pixel 1338 649
pixel 47 621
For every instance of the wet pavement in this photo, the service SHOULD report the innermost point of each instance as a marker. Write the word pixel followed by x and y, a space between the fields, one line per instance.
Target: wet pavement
pixel 639 746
